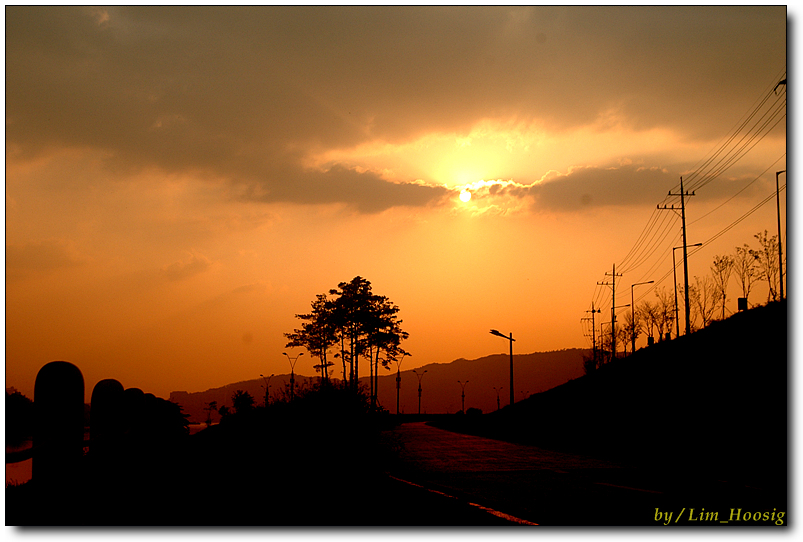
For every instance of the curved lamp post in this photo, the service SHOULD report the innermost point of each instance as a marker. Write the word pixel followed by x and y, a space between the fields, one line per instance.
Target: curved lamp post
pixel 463 396
pixel 419 388
pixel 497 396
pixel 398 381
pixel 511 339
pixel 292 373
pixel 267 388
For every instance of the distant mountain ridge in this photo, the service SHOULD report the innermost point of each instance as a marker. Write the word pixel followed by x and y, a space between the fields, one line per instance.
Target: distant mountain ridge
pixel 532 373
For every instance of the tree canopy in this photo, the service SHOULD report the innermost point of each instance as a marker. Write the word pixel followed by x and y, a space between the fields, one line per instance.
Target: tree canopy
pixel 361 322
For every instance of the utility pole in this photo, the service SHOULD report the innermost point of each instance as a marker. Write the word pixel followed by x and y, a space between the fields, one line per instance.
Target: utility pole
pixel 685 255
pixel 614 274
pixel 778 204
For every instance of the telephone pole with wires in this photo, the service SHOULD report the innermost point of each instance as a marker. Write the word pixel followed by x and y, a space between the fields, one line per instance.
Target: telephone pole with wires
pixel 685 254
pixel 778 203
pixel 613 274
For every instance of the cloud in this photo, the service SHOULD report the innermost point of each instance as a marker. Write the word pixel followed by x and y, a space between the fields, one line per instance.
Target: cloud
pixel 248 94
pixel 588 187
pixel 40 256
pixel 182 269
pixel 366 191
pixel 585 187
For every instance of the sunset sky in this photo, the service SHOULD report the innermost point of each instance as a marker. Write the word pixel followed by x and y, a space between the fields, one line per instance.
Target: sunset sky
pixel 180 182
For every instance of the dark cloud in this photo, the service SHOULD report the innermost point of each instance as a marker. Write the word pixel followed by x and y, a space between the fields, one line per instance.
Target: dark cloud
pixel 246 93
pixel 367 192
pixel 624 185
pixel 586 187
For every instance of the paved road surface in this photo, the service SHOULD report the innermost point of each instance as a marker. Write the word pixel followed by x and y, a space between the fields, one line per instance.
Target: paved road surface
pixel 552 488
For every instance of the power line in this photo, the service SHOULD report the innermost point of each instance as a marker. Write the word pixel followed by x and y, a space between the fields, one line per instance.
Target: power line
pixel 742 138
pixel 739 192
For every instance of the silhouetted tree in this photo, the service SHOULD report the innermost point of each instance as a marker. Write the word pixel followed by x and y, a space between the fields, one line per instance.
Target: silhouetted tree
pixel 351 311
pixel 167 420
pixel 19 417
pixel 664 311
pixel 721 271
pixel 631 329
pixel 744 264
pixel 589 364
pixel 210 406
pixel 365 325
pixel 766 258
pixel 383 339
pixel 703 299
pixel 604 352
pixel 318 333
pixel 242 401
pixel 623 335
pixel 648 318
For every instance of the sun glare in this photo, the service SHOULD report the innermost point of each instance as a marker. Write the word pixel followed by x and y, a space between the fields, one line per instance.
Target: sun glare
pixel 465 195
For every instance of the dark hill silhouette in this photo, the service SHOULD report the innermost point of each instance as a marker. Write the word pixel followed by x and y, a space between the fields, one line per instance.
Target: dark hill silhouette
pixel 533 373
pixel 193 403
pixel 713 401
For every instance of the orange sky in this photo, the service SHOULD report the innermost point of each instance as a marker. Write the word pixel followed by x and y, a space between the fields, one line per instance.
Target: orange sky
pixel 180 182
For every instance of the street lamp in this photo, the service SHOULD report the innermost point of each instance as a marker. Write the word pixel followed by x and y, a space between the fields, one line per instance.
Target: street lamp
pixel 633 315
pixel 292 373
pixel 511 339
pixel 463 396
pixel 780 253
pixel 675 278
pixel 267 388
pixel 497 396
pixel 398 381
pixel 419 389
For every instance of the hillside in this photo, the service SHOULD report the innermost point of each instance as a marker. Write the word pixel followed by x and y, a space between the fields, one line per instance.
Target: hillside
pixel 533 373
pixel 193 403
pixel 715 400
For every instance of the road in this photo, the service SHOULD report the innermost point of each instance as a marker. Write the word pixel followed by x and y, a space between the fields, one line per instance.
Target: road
pixel 531 485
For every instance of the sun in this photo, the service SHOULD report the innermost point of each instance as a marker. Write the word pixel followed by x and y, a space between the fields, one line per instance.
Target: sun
pixel 465 195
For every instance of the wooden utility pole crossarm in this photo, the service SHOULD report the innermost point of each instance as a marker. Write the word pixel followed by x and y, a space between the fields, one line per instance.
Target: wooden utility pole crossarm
pixel 685 255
